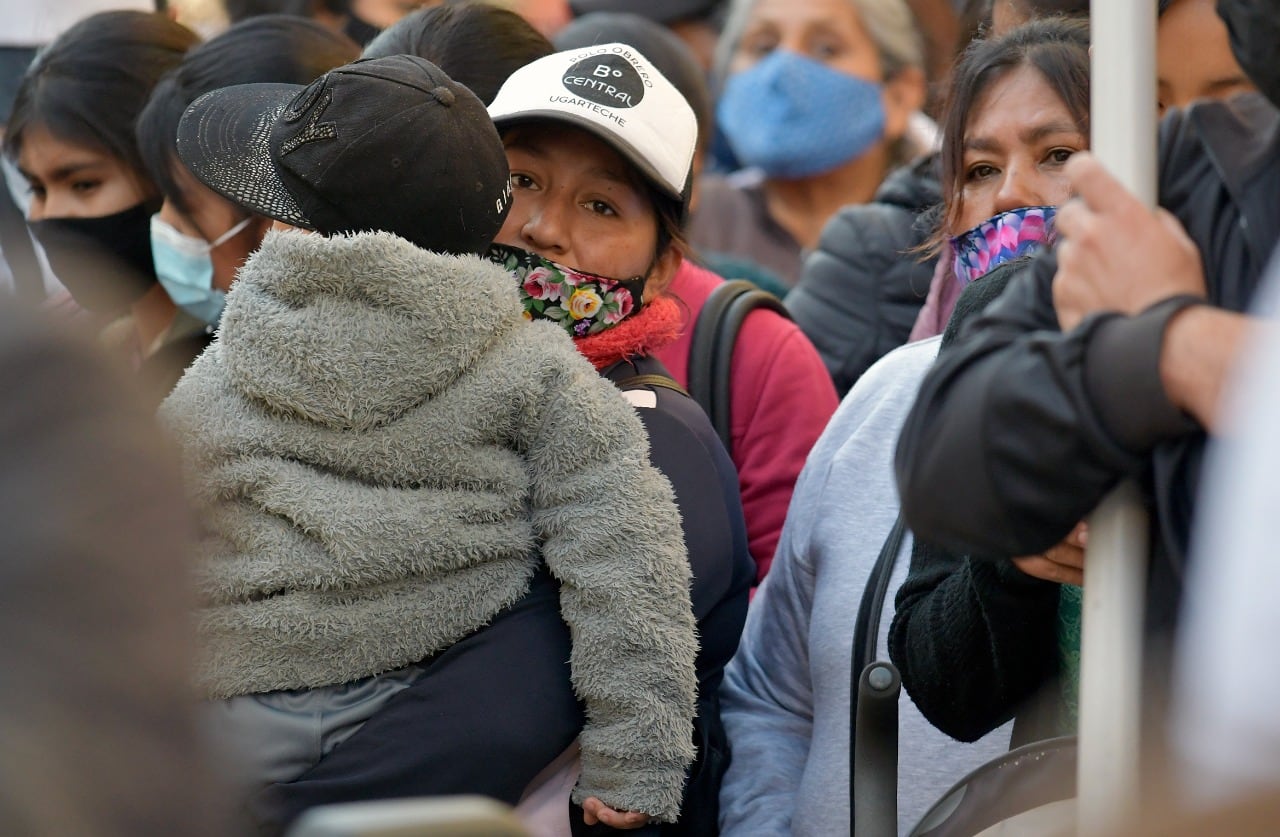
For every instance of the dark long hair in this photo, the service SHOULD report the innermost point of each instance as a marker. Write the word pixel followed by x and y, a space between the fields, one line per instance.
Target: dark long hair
pixel 90 84
pixel 1057 48
pixel 267 48
pixel 477 45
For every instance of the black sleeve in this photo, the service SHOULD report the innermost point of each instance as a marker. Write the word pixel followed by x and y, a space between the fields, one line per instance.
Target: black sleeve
pixel 861 289
pixel 1019 430
pixel 973 638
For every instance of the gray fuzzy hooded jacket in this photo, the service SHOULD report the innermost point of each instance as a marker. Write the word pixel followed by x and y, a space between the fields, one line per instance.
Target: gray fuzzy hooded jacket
pixel 384 450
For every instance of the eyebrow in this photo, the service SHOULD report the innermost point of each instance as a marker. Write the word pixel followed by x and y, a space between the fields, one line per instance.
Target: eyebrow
pixel 612 176
pixel 1030 136
pixel 62 172
pixel 1224 83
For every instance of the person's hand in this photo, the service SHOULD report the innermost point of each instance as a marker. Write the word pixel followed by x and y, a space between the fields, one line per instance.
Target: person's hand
pixel 1063 563
pixel 594 811
pixel 1115 254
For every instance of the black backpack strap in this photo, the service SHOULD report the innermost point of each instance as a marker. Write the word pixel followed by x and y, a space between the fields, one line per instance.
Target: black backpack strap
pixel 866 630
pixel 711 348
pixel 873 705
pixel 638 381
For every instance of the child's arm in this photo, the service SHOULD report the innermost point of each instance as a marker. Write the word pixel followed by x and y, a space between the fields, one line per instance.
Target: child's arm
pixel 611 534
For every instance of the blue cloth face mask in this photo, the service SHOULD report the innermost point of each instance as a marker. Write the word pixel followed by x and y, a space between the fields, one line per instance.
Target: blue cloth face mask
pixel 792 117
pixel 185 269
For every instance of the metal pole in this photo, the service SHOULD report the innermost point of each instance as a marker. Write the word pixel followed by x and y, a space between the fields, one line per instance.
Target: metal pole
pixel 1123 123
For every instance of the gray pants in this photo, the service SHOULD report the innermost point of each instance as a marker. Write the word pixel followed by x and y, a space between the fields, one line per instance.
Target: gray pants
pixel 277 736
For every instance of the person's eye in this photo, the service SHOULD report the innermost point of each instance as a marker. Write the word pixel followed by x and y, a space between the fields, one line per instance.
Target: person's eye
pixel 979 171
pixel 85 187
pixel 522 181
pixel 826 49
pixel 601 208
pixel 1059 156
pixel 758 46
pixel 36 191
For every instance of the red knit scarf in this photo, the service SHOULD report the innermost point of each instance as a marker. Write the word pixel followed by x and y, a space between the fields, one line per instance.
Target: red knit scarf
pixel 655 325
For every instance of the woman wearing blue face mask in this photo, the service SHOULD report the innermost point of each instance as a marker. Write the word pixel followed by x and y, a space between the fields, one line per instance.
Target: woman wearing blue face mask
pixel 816 104
pixel 199 239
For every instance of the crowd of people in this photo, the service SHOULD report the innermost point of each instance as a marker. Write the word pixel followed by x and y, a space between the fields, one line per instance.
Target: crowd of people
pixel 356 367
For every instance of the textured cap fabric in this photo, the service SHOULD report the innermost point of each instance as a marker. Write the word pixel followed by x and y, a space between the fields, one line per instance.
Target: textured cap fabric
pixel 389 144
pixel 615 93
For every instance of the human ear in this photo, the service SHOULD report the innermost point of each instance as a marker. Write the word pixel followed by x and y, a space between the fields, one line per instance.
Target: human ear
pixel 903 95
pixel 663 273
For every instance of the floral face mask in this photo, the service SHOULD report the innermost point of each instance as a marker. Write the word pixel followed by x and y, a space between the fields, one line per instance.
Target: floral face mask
pixel 1003 238
pixel 582 303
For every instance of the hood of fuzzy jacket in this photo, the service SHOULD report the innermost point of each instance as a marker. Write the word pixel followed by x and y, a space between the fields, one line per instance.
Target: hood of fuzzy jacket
pixel 353 331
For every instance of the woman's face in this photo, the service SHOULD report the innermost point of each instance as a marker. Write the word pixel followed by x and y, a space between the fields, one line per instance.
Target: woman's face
pixel 208 217
pixel 576 203
pixel 828 31
pixel 1193 56
pixel 74 181
pixel 1020 135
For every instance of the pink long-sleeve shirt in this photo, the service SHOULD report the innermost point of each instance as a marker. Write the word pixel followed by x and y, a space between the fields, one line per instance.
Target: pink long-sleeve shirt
pixel 781 399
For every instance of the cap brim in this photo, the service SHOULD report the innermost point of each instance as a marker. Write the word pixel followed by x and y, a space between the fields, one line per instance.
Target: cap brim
pixel 610 138
pixel 224 138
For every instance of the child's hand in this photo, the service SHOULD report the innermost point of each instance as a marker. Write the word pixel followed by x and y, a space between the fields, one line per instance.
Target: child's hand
pixel 594 811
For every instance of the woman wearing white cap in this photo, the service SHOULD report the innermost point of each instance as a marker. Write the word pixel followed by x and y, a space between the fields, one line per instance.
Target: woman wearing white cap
pixel 600 147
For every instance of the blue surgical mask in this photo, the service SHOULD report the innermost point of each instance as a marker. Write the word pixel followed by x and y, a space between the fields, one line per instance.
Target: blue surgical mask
pixel 795 117
pixel 185 269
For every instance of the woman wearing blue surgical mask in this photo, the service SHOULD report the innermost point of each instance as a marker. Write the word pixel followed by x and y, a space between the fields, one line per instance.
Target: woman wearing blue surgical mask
pixel 816 103
pixel 199 239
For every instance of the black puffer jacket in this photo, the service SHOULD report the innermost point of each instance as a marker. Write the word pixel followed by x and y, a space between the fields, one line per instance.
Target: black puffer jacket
pixel 861 288
pixel 1021 440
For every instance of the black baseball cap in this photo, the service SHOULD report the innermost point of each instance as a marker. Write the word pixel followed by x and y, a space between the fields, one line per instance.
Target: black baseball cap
pixel 390 144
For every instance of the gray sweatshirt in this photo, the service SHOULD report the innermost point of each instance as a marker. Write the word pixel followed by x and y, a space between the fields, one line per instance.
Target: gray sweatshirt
pixel 786 692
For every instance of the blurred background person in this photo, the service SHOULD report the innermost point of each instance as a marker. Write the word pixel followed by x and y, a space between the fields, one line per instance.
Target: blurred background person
pixel 695 22
pixel 98 733
pixel 815 102
pixel 479 45
pixel 1193 55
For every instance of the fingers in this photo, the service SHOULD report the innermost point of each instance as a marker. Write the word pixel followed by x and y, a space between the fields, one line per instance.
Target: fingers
pixel 594 811
pixel 1066 554
pixel 1096 186
pixel 1038 566
pixel 1079 536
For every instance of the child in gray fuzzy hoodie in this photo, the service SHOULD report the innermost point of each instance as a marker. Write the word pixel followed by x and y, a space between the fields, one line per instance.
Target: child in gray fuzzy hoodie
pixel 395 467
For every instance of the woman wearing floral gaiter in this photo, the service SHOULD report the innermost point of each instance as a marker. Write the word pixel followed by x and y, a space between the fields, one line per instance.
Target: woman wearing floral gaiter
pixel 600 147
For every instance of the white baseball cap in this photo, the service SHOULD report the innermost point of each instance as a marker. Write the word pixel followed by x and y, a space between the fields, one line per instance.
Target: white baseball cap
pixel 613 92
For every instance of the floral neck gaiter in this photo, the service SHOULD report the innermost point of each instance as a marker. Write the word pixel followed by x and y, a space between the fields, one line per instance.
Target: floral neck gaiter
pixel 581 303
